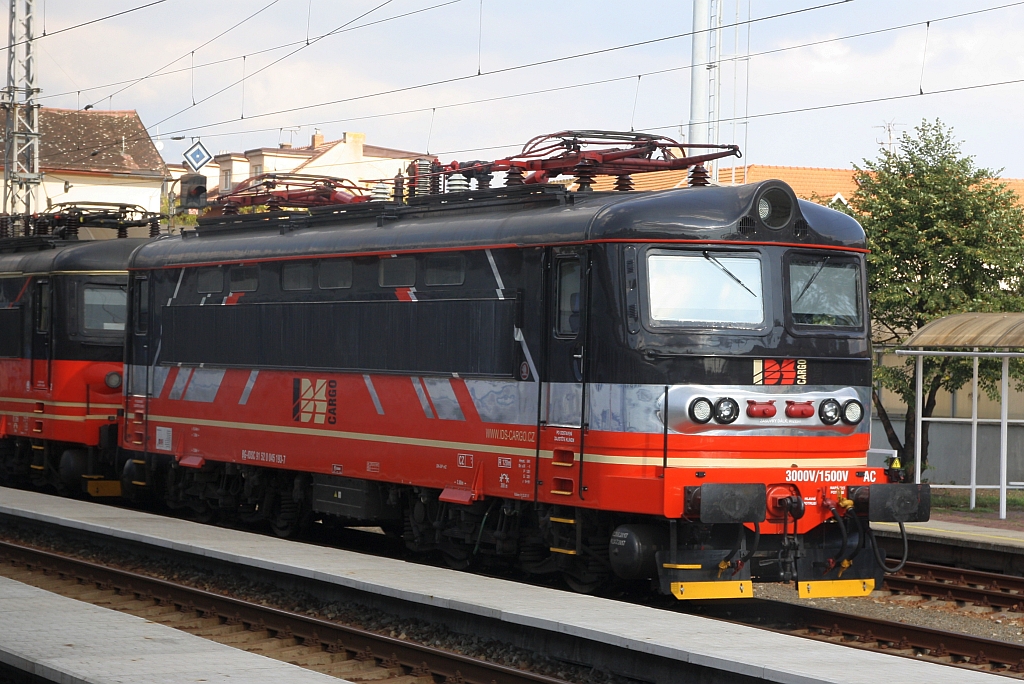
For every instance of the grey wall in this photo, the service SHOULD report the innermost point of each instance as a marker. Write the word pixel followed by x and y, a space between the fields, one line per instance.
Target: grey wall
pixel 949 452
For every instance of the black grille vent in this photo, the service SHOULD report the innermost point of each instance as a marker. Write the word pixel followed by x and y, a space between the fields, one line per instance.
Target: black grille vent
pixel 633 313
pixel 747 225
pixel 800 228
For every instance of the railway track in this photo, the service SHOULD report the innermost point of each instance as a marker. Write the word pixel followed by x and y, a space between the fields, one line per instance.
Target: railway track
pixel 973 587
pixel 1004 592
pixel 359 655
pixel 328 647
pixel 897 638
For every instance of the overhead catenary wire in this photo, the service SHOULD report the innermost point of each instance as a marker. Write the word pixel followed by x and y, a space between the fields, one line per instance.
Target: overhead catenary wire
pixel 762 115
pixel 276 61
pixel 503 70
pixel 85 23
pixel 746 57
pixel 225 60
pixel 871 100
pixel 193 53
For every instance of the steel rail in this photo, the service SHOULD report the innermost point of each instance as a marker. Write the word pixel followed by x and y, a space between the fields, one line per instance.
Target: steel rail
pixel 894 637
pixel 956 584
pixel 332 637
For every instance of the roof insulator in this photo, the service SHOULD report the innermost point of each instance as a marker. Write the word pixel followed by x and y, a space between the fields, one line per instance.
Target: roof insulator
pixel 699 176
pixel 458 182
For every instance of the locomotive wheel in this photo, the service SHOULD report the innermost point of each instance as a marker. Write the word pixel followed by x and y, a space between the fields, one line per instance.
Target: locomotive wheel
pixel 204 514
pixel 12 468
pixel 587 584
pixel 286 522
pixel 456 557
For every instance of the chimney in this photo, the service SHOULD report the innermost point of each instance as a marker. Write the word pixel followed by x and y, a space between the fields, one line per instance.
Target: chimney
pixel 285 146
pixel 318 139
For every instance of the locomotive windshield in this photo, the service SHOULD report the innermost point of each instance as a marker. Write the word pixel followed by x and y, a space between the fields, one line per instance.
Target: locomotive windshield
pixel 104 309
pixel 825 291
pixel 705 288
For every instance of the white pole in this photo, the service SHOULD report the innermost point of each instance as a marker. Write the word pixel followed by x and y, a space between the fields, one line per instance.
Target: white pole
pixel 918 417
pixel 1004 416
pixel 974 435
pixel 698 130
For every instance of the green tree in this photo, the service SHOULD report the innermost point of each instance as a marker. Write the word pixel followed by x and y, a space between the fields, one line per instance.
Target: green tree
pixel 945 237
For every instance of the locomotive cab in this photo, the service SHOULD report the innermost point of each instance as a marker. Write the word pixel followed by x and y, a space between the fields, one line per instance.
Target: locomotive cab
pixel 744 321
pixel 62 316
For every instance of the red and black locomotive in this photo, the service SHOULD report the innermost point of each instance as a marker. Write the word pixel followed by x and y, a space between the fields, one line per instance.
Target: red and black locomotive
pixel 667 386
pixel 62 317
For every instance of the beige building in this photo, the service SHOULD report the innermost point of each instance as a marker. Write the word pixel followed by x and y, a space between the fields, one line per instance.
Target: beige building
pixel 349 157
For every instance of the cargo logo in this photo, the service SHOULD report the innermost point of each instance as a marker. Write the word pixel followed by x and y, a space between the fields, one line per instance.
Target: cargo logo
pixel 784 372
pixel 315 401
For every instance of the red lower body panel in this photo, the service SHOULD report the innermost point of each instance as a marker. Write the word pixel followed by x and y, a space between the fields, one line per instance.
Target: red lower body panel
pixel 69 405
pixel 428 432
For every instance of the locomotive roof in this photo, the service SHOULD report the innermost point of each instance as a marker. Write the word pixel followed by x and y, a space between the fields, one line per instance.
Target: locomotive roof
pixel 51 254
pixel 525 215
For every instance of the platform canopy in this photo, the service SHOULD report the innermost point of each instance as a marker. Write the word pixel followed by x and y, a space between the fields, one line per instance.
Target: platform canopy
pixel 983 330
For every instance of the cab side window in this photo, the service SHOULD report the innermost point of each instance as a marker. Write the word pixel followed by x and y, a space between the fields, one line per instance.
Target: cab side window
pixel 567 323
pixel 141 305
pixel 43 303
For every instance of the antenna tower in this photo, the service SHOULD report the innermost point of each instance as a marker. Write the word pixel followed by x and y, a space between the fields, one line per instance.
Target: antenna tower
pixel 21 132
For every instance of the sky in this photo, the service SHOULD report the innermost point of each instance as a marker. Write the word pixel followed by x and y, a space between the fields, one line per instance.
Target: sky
pixel 411 74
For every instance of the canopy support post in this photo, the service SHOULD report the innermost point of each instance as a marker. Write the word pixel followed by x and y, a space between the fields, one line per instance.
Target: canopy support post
pixel 918 417
pixel 1004 416
pixel 974 434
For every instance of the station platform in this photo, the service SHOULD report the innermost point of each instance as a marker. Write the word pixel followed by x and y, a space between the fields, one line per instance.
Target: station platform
pixel 955 543
pixel 59 639
pixel 727 652
pixel 1008 540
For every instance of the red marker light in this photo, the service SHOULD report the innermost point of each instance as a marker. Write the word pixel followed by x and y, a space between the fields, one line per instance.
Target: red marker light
pixel 799 409
pixel 760 409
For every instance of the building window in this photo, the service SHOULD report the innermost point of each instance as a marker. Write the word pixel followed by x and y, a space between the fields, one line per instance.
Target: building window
pixel 257 169
pixel 225 181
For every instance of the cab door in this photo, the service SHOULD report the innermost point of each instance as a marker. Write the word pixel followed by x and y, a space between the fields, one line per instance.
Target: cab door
pixel 139 381
pixel 42 334
pixel 564 394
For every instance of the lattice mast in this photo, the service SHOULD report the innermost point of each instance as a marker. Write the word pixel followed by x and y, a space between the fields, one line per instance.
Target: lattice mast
pixel 21 139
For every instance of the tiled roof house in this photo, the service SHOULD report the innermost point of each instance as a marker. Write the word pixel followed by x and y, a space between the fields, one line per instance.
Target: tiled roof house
pixel 98 156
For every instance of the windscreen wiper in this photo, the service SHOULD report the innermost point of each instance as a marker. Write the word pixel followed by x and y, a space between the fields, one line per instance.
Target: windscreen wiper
pixel 727 272
pixel 811 280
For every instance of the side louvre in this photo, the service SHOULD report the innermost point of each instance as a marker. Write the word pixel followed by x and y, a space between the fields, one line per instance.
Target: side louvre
pixel 473 337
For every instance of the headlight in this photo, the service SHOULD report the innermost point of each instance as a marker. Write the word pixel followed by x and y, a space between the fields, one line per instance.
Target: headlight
pixel 829 411
pixel 113 380
pixel 775 208
pixel 701 410
pixel 726 410
pixel 853 412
